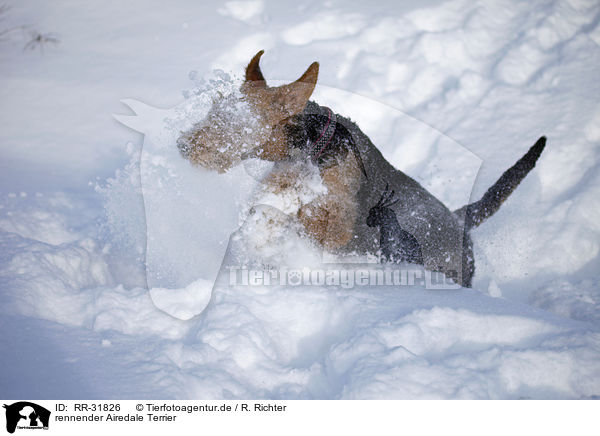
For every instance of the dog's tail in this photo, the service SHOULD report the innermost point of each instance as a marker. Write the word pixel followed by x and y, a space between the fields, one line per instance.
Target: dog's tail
pixel 478 212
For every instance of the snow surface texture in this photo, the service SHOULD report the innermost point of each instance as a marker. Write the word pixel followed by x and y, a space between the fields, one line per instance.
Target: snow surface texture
pixel 84 267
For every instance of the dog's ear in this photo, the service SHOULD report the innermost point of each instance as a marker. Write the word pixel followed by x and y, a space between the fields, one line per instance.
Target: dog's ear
pixel 253 73
pixel 279 102
pixel 293 97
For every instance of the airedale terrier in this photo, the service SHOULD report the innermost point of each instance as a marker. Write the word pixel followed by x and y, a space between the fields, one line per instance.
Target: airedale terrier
pixel 292 128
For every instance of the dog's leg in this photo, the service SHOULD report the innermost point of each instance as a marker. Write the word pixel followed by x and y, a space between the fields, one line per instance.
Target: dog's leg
pixel 314 218
pixel 327 222
pixel 330 219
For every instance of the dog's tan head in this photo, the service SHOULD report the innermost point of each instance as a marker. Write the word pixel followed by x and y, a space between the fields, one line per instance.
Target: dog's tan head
pixel 224 138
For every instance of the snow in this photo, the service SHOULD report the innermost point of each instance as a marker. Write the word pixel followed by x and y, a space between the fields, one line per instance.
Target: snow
pixel 246 11
pixel 111 242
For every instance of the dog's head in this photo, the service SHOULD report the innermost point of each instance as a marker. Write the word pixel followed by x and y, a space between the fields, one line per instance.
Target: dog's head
pixel 221 140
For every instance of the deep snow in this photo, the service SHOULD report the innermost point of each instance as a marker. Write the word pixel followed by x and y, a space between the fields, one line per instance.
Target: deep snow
pixel 99 231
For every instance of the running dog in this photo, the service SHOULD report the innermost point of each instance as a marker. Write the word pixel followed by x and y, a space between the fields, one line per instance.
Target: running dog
pixel 291 129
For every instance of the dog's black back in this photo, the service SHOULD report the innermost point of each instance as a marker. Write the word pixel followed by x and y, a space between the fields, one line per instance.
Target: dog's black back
pixel 422 229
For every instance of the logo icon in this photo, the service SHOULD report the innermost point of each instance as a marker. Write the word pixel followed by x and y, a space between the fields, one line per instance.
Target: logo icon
pixel 26 415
